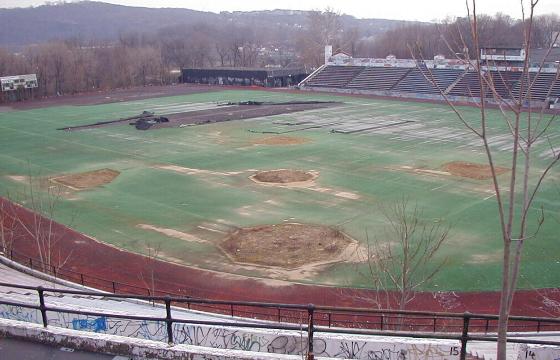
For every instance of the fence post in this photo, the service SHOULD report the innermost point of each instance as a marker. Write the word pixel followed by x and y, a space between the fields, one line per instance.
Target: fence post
pixel 329 319
pixel 465 335
pixel 31 263
pixel 42 307
pixel 114 288
pixel 310 311
pixel 168 319
pixel 82 278
pixel 231 309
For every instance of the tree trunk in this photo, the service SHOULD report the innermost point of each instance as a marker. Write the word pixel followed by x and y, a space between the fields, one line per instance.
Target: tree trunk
pixel 504 308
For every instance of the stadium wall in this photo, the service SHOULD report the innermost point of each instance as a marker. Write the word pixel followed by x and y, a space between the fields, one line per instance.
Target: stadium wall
pixel 417 96
pixel 344 346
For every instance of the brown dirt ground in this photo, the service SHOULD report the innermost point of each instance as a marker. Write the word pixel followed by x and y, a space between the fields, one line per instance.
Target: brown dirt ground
pixel 283 176
pixel 472 170
pixel 281 140
pixel 87 179
pixel 112 96
pixel 287 245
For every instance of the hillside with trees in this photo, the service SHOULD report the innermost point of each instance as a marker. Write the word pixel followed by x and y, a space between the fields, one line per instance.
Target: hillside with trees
pixel 86 46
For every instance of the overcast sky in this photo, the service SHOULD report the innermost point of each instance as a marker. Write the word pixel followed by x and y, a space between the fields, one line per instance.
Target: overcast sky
pixel 424 10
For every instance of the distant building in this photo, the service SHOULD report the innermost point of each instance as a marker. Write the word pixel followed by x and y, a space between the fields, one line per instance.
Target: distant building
pixel 266 77
pixel 514 57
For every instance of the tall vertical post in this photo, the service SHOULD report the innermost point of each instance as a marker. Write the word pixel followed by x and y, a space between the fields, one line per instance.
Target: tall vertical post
pixel 310 311
pixel 42 307
pixel 168 319
pixel 465 335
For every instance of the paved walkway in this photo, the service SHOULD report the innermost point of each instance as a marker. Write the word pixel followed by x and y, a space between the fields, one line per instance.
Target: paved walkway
pixel 91 303
pixel 24 350
pixel 483 350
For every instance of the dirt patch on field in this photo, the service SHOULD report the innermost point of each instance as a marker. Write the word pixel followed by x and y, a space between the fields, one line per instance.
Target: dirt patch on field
pixel 87 180
pixel 472 170
pixel 285 177
pixel 191 171
pixel 171 233
pixel 18 178
pixel 287 245
pixel 281 140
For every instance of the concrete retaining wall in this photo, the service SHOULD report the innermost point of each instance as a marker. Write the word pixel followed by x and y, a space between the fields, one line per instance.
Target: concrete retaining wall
pixel 253 340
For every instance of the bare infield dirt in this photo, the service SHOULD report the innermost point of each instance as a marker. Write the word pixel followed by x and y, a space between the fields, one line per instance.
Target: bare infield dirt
pixel 472 170
pixel 283 176
pixel 87 180
pixel 287 245
pixel 280 140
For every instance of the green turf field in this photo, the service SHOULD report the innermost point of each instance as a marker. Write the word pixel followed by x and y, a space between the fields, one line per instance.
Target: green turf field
pixel 207 190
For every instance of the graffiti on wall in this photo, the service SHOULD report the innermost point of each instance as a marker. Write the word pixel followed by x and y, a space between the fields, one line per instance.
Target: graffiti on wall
pixel 269 341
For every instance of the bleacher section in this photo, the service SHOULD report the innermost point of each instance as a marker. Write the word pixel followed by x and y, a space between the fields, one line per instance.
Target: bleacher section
pixel 416 82
pixel 468 85
pixel 378 78
pixel 434 81
pixel 445 77
pixel 335 76
pixel 504 83
pixel 544 86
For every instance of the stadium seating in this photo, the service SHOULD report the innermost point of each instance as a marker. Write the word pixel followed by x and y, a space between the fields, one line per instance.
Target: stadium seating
pixel 378 78
pixel 504 83
pixel 335 76
pixel 423 80
pixel 544 86
pixel 453 82
pixel 468 85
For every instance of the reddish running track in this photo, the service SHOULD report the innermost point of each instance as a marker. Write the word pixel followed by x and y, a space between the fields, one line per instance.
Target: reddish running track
pixel 91 257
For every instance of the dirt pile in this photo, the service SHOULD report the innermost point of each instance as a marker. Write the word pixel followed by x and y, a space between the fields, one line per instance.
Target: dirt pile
pixel 87 180
pixel 287 245
pixel 283 176
pixel 472 170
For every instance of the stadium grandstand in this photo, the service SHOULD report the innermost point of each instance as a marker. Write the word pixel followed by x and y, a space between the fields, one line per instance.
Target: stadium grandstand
pixel 455 79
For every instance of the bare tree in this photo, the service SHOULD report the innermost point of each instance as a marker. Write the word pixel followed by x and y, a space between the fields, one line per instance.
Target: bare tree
pixel 43 200
pixel 7 226
pixel 147 276
pixel 527 124
pixel 324 28
pixel 405 256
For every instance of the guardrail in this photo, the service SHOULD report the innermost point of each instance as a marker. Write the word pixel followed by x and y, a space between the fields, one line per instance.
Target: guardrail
pixel 310 323
pixel 362 318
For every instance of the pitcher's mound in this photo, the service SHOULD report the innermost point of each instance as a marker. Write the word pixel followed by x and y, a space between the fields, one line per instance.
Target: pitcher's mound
pixel 472 170
pixel 284 177
pixel 287 245
pixel 87 179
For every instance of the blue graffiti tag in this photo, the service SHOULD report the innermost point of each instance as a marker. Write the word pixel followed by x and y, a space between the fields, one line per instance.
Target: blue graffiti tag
pixel 96 325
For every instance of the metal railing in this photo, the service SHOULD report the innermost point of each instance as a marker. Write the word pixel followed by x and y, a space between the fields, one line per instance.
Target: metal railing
pixel 327 316
pixel 310 323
